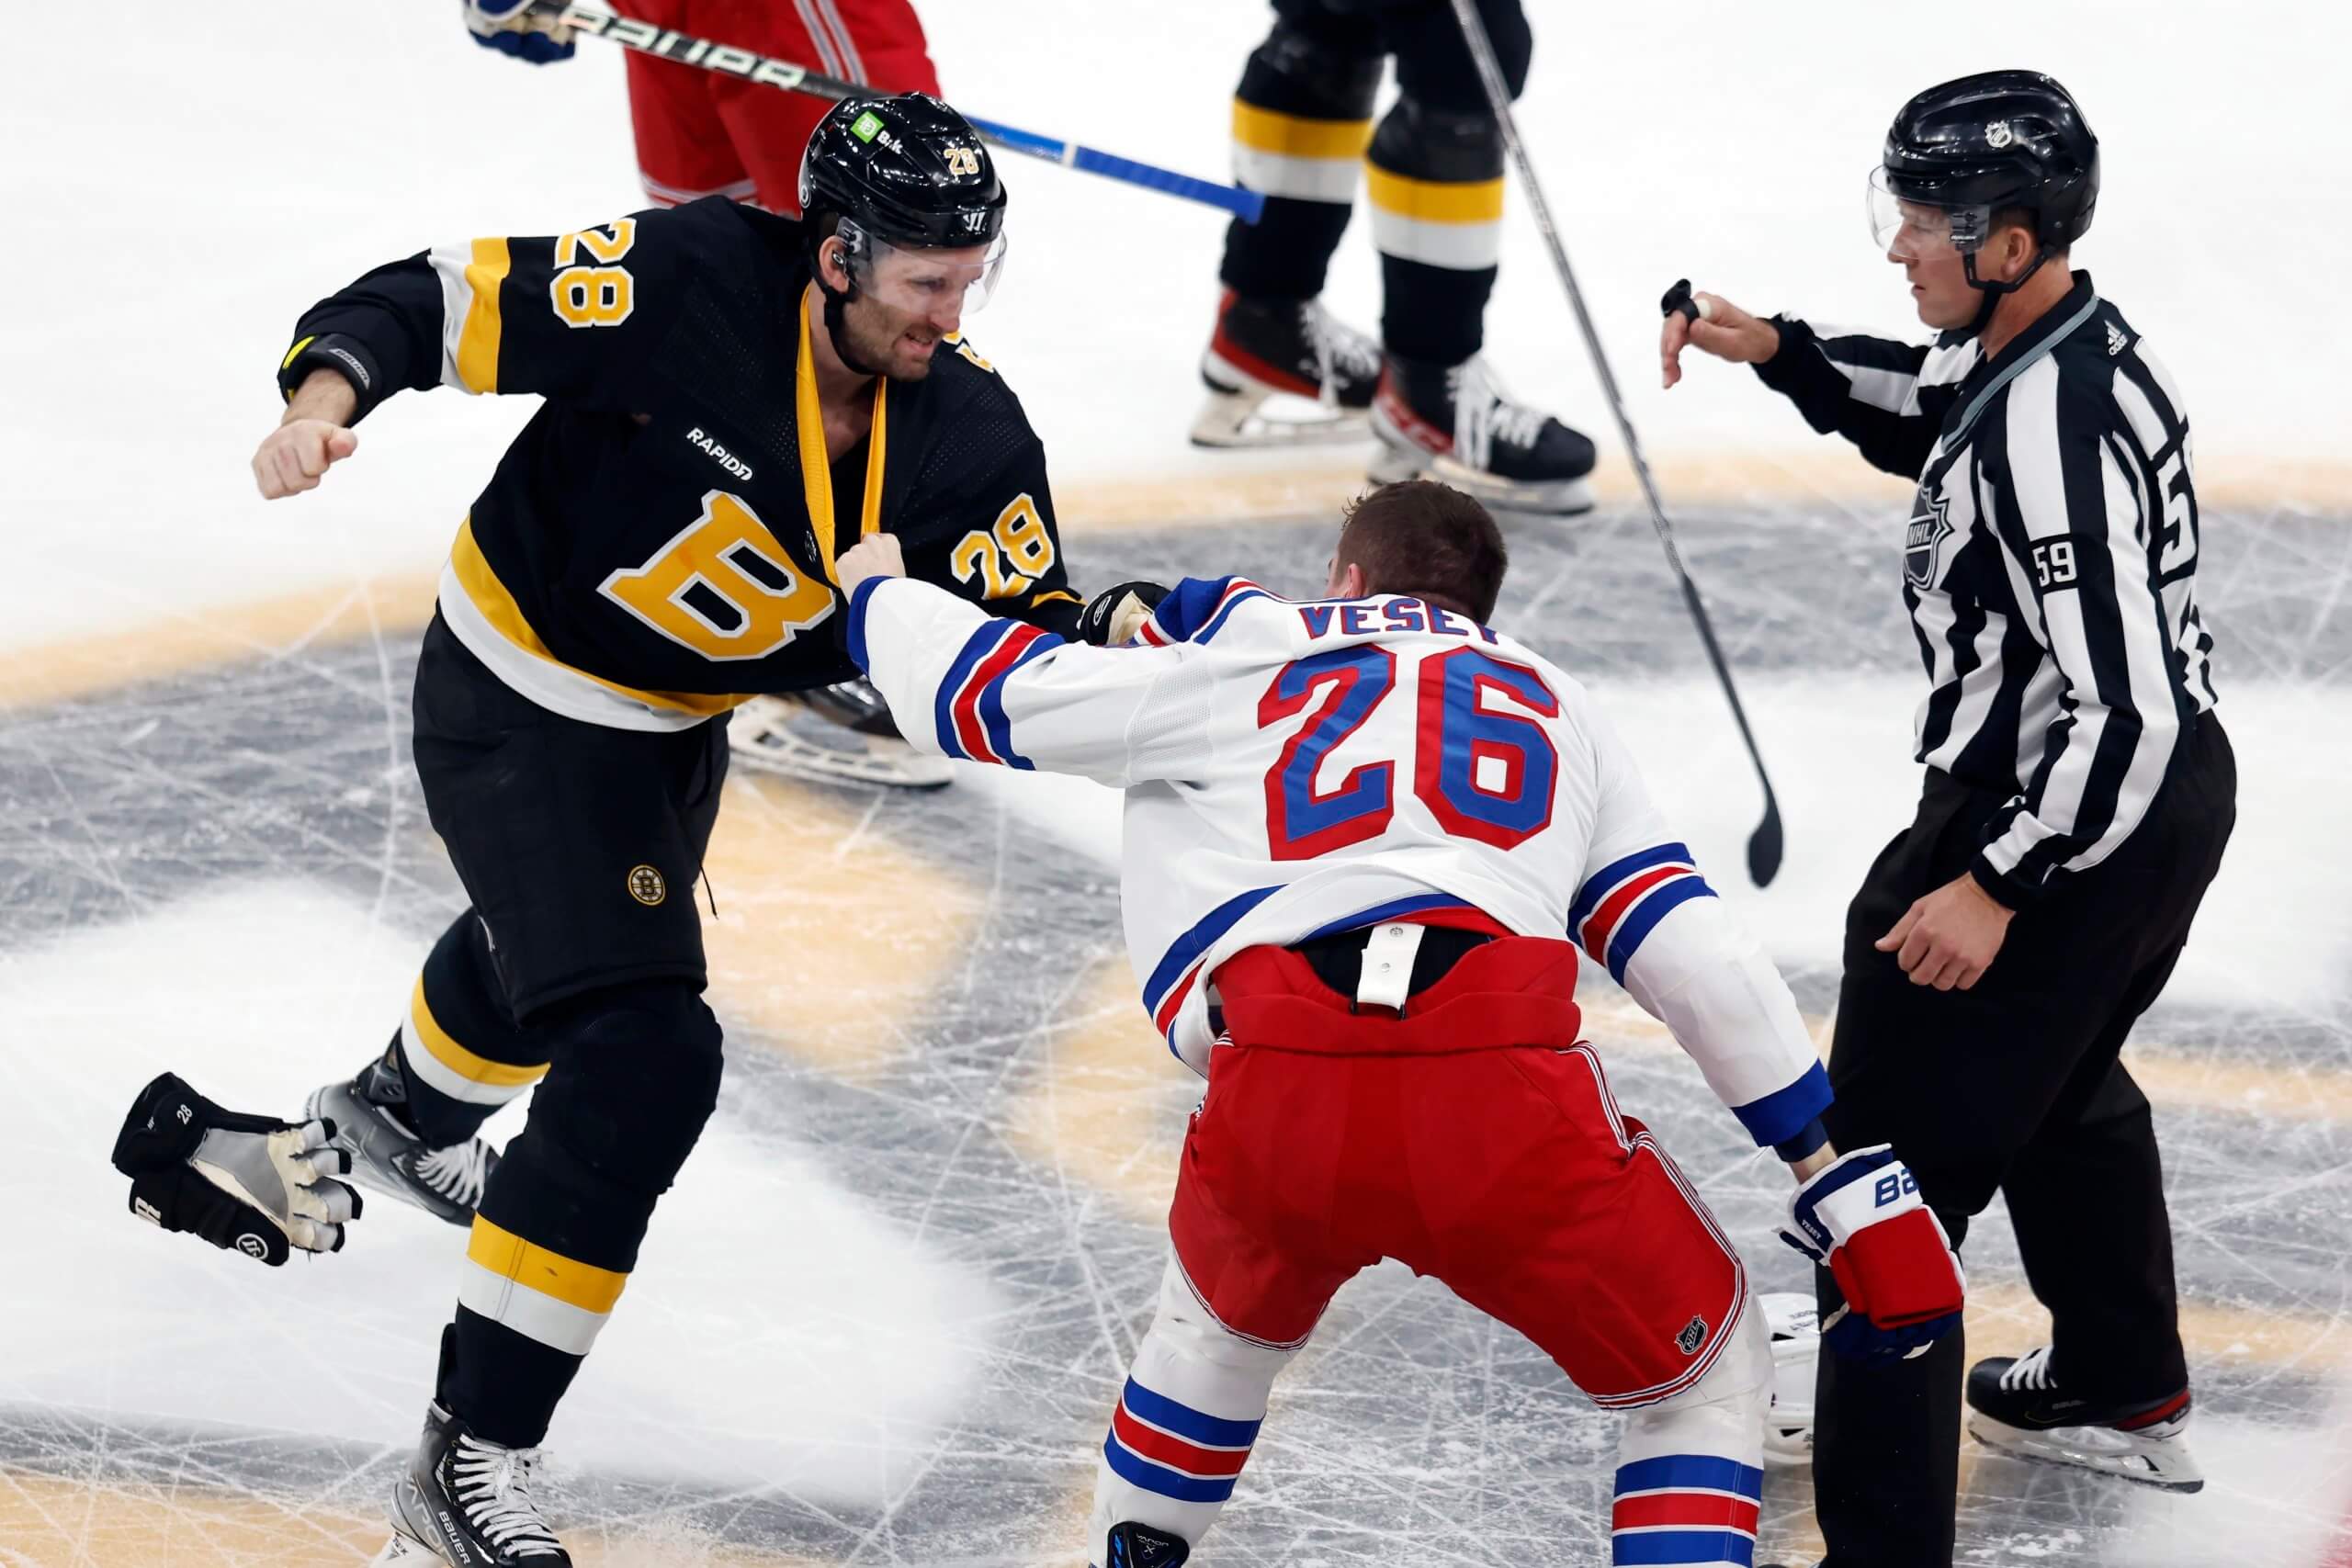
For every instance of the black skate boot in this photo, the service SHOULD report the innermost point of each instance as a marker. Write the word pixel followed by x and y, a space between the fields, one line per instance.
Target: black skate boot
pixel 371 1124
pixel 1265 347
pixel 1142 1546
pixel 2017 1406
pixel 467 1502
pixel 1452 423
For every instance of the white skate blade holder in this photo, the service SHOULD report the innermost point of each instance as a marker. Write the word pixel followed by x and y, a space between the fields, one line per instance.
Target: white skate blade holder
pixel 773 737
pixel 404 1551
pixel 1237 420
pixel 2164 1462
pixel 1235 413
pixel 1567 498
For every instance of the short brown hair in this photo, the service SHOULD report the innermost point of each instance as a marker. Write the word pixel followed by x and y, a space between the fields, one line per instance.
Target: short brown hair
pixel 1428 540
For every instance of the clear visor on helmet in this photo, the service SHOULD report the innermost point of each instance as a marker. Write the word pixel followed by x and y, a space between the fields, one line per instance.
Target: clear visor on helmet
pixel 1912 228
pixel 956 279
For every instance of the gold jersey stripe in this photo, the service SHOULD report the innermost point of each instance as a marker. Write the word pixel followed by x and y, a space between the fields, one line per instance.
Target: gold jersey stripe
pixel 293 354
pixel 509 1256
pixel 466 1064
pixel 816 464
pixel 478 343
pixel 497 607
pixel 1295 136
pixel 1435 201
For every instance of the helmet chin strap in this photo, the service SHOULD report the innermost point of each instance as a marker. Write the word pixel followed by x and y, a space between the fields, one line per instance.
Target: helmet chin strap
pixel 836 301
pixel 1991 288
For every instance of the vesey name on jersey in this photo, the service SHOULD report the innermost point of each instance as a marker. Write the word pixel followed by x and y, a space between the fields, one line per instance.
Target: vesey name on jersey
pixel 1396 615
pixel 720 454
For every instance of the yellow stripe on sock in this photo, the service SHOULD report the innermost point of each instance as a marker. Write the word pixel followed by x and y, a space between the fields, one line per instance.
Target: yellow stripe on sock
pixel 1435 201
pixel 466 1064
pixel 508 1255
pixel 478 343
pixel 1295 136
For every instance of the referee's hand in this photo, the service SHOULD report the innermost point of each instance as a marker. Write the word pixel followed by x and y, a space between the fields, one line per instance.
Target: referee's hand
pixel 1949 938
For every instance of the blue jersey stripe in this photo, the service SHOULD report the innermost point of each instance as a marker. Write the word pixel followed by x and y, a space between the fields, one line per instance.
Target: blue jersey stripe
pixel 1639 919
pixel 1213 1431
pixel 1390 911
pixel 1602 883
pixel 857 622
pixel 1701 1473
pixel 1660 1547
pixel 1218 624
pixel 1136 1471
pixel 1782 1114
pixel 979 646
pixel 991 703
pixel 1188 605
pixel 1199 940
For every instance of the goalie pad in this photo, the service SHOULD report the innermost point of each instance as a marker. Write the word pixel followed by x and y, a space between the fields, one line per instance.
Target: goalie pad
pixel 249 1184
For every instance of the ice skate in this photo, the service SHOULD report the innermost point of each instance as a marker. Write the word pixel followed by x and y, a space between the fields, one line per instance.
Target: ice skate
pixel 840 734
pixel 467 1502
pixel 1262 347
pixel 371 1126
pixel 2017 1406
pixel 1140 1546
pixel 1454 423
pixel 1795 1327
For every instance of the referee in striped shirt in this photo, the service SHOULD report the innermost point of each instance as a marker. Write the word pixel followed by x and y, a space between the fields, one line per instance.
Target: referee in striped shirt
pixel 2077 796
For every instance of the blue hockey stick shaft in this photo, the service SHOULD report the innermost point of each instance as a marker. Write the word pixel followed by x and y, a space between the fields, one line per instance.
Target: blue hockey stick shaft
pixel 1246 205
pixel 684 49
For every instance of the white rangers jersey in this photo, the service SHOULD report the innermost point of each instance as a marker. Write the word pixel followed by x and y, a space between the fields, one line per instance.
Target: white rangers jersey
pixel 1293 770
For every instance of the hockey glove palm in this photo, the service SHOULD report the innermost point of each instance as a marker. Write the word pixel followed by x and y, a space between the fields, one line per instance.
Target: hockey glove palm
pixel 519 28
pixel 245 1183
pixel 1862 1219
pixel 1113 616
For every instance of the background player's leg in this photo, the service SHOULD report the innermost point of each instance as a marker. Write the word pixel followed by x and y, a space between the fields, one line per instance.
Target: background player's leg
pixel 879 42
pixel 410 1116
pixel 684 149
pixel 1436 175
pixel 1301 119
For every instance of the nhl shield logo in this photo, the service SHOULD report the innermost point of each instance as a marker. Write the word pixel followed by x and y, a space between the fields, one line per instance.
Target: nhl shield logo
pixel 1693 1335
pixel 1998 135
pixel 1923 540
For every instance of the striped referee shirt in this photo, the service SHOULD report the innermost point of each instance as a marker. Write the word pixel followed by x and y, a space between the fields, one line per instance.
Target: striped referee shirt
pixel 2050 565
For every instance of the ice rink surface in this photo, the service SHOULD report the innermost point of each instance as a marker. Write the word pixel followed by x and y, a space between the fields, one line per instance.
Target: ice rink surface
pixel 883 1315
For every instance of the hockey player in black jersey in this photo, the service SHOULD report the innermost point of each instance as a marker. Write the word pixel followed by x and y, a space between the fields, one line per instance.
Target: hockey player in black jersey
pixel 2078 794
pixel 1303 134
pixel 732 399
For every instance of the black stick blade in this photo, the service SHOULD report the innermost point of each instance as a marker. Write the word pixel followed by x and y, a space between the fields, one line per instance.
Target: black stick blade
pixel 1764 845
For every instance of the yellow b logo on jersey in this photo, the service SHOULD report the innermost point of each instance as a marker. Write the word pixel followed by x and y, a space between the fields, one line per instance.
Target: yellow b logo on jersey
pixel 723 586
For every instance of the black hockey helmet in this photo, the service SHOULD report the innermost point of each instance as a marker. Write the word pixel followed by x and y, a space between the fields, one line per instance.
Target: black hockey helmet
pixel 1997 138
pixel 1970 147
pixel 906 169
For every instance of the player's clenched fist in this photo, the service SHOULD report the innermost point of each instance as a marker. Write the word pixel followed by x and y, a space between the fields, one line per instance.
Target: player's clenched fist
pixel 875 556
pixel 297 453
pixel 1718 327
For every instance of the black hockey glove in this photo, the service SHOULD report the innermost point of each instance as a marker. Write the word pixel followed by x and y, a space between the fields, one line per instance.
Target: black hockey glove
pixel 258 1185
pixel 1112 617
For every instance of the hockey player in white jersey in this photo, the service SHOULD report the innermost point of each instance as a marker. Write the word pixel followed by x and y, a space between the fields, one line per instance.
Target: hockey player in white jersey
pixel 1365 839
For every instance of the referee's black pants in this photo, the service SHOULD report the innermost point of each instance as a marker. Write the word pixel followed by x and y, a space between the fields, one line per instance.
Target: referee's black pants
pixel 2013 1085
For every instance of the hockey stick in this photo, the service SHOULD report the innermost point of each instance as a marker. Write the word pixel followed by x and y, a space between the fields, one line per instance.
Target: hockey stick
pixel 1764 844
pixel 726 60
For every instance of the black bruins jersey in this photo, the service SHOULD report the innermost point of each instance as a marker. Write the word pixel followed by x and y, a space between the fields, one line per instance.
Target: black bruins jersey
pixel 658 543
